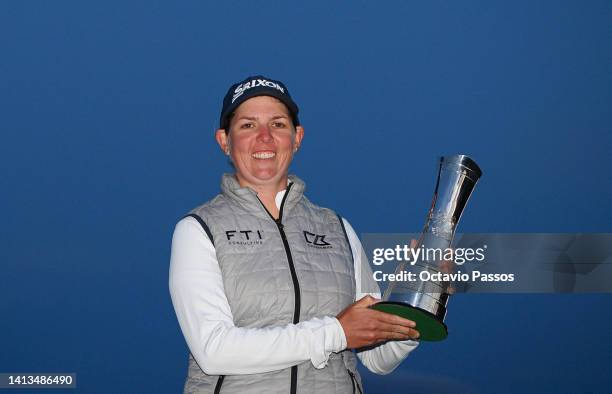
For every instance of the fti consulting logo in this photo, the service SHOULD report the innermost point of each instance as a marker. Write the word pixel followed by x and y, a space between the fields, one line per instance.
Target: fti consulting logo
pixel 244 237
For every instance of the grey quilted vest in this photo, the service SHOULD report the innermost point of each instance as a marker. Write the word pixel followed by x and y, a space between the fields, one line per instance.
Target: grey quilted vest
pixel 277 272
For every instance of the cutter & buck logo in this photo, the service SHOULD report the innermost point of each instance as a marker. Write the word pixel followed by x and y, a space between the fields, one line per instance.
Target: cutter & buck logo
pixel 316 240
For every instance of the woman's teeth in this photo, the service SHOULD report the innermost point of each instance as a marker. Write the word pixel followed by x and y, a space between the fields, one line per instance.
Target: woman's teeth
pixel 263 155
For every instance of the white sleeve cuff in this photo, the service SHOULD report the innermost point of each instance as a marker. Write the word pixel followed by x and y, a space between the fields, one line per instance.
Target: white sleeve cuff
pixel 343 343
pixel 334 341
pixel 383 359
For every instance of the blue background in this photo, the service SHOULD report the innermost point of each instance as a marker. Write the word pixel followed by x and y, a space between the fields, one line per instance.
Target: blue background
pixel 107 117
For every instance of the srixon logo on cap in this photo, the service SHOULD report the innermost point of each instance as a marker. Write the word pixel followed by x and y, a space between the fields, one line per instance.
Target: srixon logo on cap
pixel 240 89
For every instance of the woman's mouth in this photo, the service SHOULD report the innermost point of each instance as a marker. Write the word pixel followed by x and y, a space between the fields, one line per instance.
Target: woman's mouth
pixel 262 155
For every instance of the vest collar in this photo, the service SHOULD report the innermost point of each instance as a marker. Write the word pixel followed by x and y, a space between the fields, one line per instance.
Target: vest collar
pixel 247 197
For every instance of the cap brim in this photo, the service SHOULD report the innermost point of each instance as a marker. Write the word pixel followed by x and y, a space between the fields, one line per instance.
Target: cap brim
pixel 283 98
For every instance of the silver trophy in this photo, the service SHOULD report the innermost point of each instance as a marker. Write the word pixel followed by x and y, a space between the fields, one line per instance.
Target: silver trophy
pixel 424 301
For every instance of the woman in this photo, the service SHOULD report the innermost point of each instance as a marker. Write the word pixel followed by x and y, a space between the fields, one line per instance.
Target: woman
pixel 263 281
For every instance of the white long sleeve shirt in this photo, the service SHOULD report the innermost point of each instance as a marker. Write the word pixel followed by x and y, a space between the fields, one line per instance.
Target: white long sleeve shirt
pixel 206 320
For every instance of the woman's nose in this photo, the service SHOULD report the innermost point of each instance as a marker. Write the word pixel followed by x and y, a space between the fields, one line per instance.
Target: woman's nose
pixel 264 133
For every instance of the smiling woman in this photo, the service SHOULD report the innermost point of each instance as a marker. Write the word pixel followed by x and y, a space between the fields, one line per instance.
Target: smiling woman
pixel 264 283
pixel 261 145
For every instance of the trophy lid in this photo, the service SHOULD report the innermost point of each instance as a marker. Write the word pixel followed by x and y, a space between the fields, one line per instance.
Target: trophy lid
pixel 469 166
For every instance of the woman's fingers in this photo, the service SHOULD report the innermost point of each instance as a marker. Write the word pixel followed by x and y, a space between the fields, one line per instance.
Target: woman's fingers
pixel 386 327
pixel 390 335
pixel 392 319
pixel 364 326
pixel 391 331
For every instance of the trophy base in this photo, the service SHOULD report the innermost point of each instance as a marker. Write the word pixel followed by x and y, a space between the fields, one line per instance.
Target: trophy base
pixel 430 328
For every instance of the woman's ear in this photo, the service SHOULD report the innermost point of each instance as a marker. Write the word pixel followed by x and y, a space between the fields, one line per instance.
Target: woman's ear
pixel 299 135
pixel 222 140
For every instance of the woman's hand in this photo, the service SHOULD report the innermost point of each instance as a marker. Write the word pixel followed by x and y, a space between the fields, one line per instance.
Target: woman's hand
pixel 364 326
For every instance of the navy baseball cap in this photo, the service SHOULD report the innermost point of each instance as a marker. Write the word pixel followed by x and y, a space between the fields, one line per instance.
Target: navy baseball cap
pixel 254 86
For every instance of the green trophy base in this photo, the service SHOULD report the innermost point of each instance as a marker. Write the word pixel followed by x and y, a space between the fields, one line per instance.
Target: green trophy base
pixel 430 328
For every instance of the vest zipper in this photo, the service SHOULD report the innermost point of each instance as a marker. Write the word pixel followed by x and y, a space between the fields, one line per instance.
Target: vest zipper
pixel 296 284
pixel 354 381
pixel 219 383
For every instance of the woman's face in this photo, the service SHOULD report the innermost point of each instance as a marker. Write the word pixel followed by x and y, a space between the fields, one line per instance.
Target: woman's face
pixel 261 141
